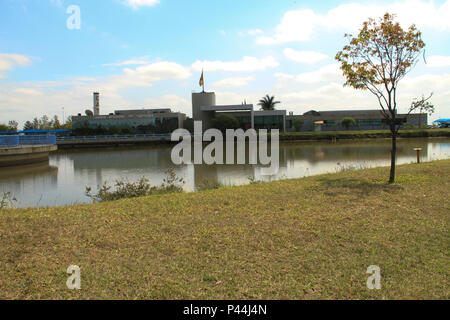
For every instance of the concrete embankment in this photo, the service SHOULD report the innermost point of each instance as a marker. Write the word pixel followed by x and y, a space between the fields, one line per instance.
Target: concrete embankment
pixel 23 155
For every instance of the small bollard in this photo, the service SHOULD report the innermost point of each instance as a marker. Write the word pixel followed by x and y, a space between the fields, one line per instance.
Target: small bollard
pixel 418 154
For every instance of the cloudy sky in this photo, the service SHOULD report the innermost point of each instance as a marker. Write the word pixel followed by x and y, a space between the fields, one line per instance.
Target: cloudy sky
pixel 150 53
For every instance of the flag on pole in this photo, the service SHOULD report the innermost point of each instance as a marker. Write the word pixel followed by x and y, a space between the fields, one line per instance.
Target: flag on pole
pixel 202 82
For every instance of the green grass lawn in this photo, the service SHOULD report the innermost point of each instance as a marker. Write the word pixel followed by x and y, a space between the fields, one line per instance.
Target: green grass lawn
pixel 310 238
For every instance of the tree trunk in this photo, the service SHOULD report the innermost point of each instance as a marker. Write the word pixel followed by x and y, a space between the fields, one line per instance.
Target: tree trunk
pixel 393 156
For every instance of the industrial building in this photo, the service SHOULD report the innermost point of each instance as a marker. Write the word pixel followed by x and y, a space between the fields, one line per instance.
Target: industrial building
pixel 205 109
pixel 365 120
pixel 140 121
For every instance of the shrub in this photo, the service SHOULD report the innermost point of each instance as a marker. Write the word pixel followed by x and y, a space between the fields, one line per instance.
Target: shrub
pixel 208 185
pixel 7 200
pixel 125 189
pixel 298 124
pixel 348 122
pixel 224 122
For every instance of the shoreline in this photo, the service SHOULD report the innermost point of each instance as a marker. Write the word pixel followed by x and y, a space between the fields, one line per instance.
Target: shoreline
pixel 284 137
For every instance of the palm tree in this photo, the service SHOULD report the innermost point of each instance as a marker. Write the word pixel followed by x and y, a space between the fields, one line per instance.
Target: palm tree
pixel 268 103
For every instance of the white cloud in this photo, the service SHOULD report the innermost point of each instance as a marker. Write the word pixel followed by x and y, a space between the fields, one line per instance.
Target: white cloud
pixel 134 61
pixel 233 82
pixel 174 102
pixel 300 25
pixel 140 3
pixel 57 3
pixel 329 73
pixel 255 32
pixel 438 61
pixel 247 64
pixel 9 60
pixel 294 26
pixel 309 57
pixel 29 99
pixel 333 96
pixel 158 71
pixel 28 92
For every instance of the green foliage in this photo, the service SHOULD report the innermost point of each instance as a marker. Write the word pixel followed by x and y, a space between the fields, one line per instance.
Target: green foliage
pixel 125 189
pixel 10 127
pixel 224 122
pixel 160 127
pixel 297 125
pixel 379 57
pixel 268 103
pixel 13 125
pixel 28 125
pixel 348 122
pixel 208 185
pixel 7 200
pixel 45 123
pixel 376 60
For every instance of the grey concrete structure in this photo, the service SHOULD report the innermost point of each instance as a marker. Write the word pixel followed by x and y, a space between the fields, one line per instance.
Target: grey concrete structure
pixel 131 119
pixel 23 155
pixel 204 108
pixel 96 104
pixel 146 120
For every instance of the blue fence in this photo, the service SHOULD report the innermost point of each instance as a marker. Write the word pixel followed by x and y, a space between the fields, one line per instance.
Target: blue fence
pixel 112 137
pixel 16 141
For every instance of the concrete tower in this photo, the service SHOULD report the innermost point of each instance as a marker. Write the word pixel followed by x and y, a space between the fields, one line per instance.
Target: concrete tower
pixel 96 104
pixel 202 99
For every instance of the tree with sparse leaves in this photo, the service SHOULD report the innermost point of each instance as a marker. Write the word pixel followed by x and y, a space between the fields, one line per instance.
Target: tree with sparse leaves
pixel 13 125
pixel 422 105
pixel 381 55
pixel 28 125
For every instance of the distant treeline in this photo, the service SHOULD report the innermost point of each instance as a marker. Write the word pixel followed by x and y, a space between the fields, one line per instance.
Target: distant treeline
pixel 160 127
pixel 43 123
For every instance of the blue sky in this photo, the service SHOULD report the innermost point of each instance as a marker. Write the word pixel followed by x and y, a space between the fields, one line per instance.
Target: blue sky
pixel 149 53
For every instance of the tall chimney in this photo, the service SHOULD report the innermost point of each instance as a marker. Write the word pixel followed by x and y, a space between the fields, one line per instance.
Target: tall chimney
pixel 96 104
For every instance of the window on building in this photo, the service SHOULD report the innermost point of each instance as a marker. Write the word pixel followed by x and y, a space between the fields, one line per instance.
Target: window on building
pixel 369 122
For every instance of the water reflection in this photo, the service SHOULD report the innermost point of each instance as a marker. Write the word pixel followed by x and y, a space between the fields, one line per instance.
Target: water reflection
pixel 63 180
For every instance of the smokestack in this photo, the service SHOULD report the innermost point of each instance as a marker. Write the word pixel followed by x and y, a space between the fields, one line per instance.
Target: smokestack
pixel 96 104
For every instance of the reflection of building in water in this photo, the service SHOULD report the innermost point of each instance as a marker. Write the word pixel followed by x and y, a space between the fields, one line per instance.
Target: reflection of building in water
pixel 234 174
pixel 127 159
pixel 359 151
pixel 32 170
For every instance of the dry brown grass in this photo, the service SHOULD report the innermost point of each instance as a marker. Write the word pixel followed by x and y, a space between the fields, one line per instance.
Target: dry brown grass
pixel 309 238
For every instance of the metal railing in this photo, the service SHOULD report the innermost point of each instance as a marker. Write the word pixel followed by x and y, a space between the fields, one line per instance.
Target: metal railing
pixel 16 141
pixel 111 137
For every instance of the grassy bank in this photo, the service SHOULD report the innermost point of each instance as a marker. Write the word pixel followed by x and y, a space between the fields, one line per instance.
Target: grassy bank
pixel 368 134
pixel 308 238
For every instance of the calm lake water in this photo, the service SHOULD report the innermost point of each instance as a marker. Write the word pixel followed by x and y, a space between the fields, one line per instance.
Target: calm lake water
pixel 62 181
